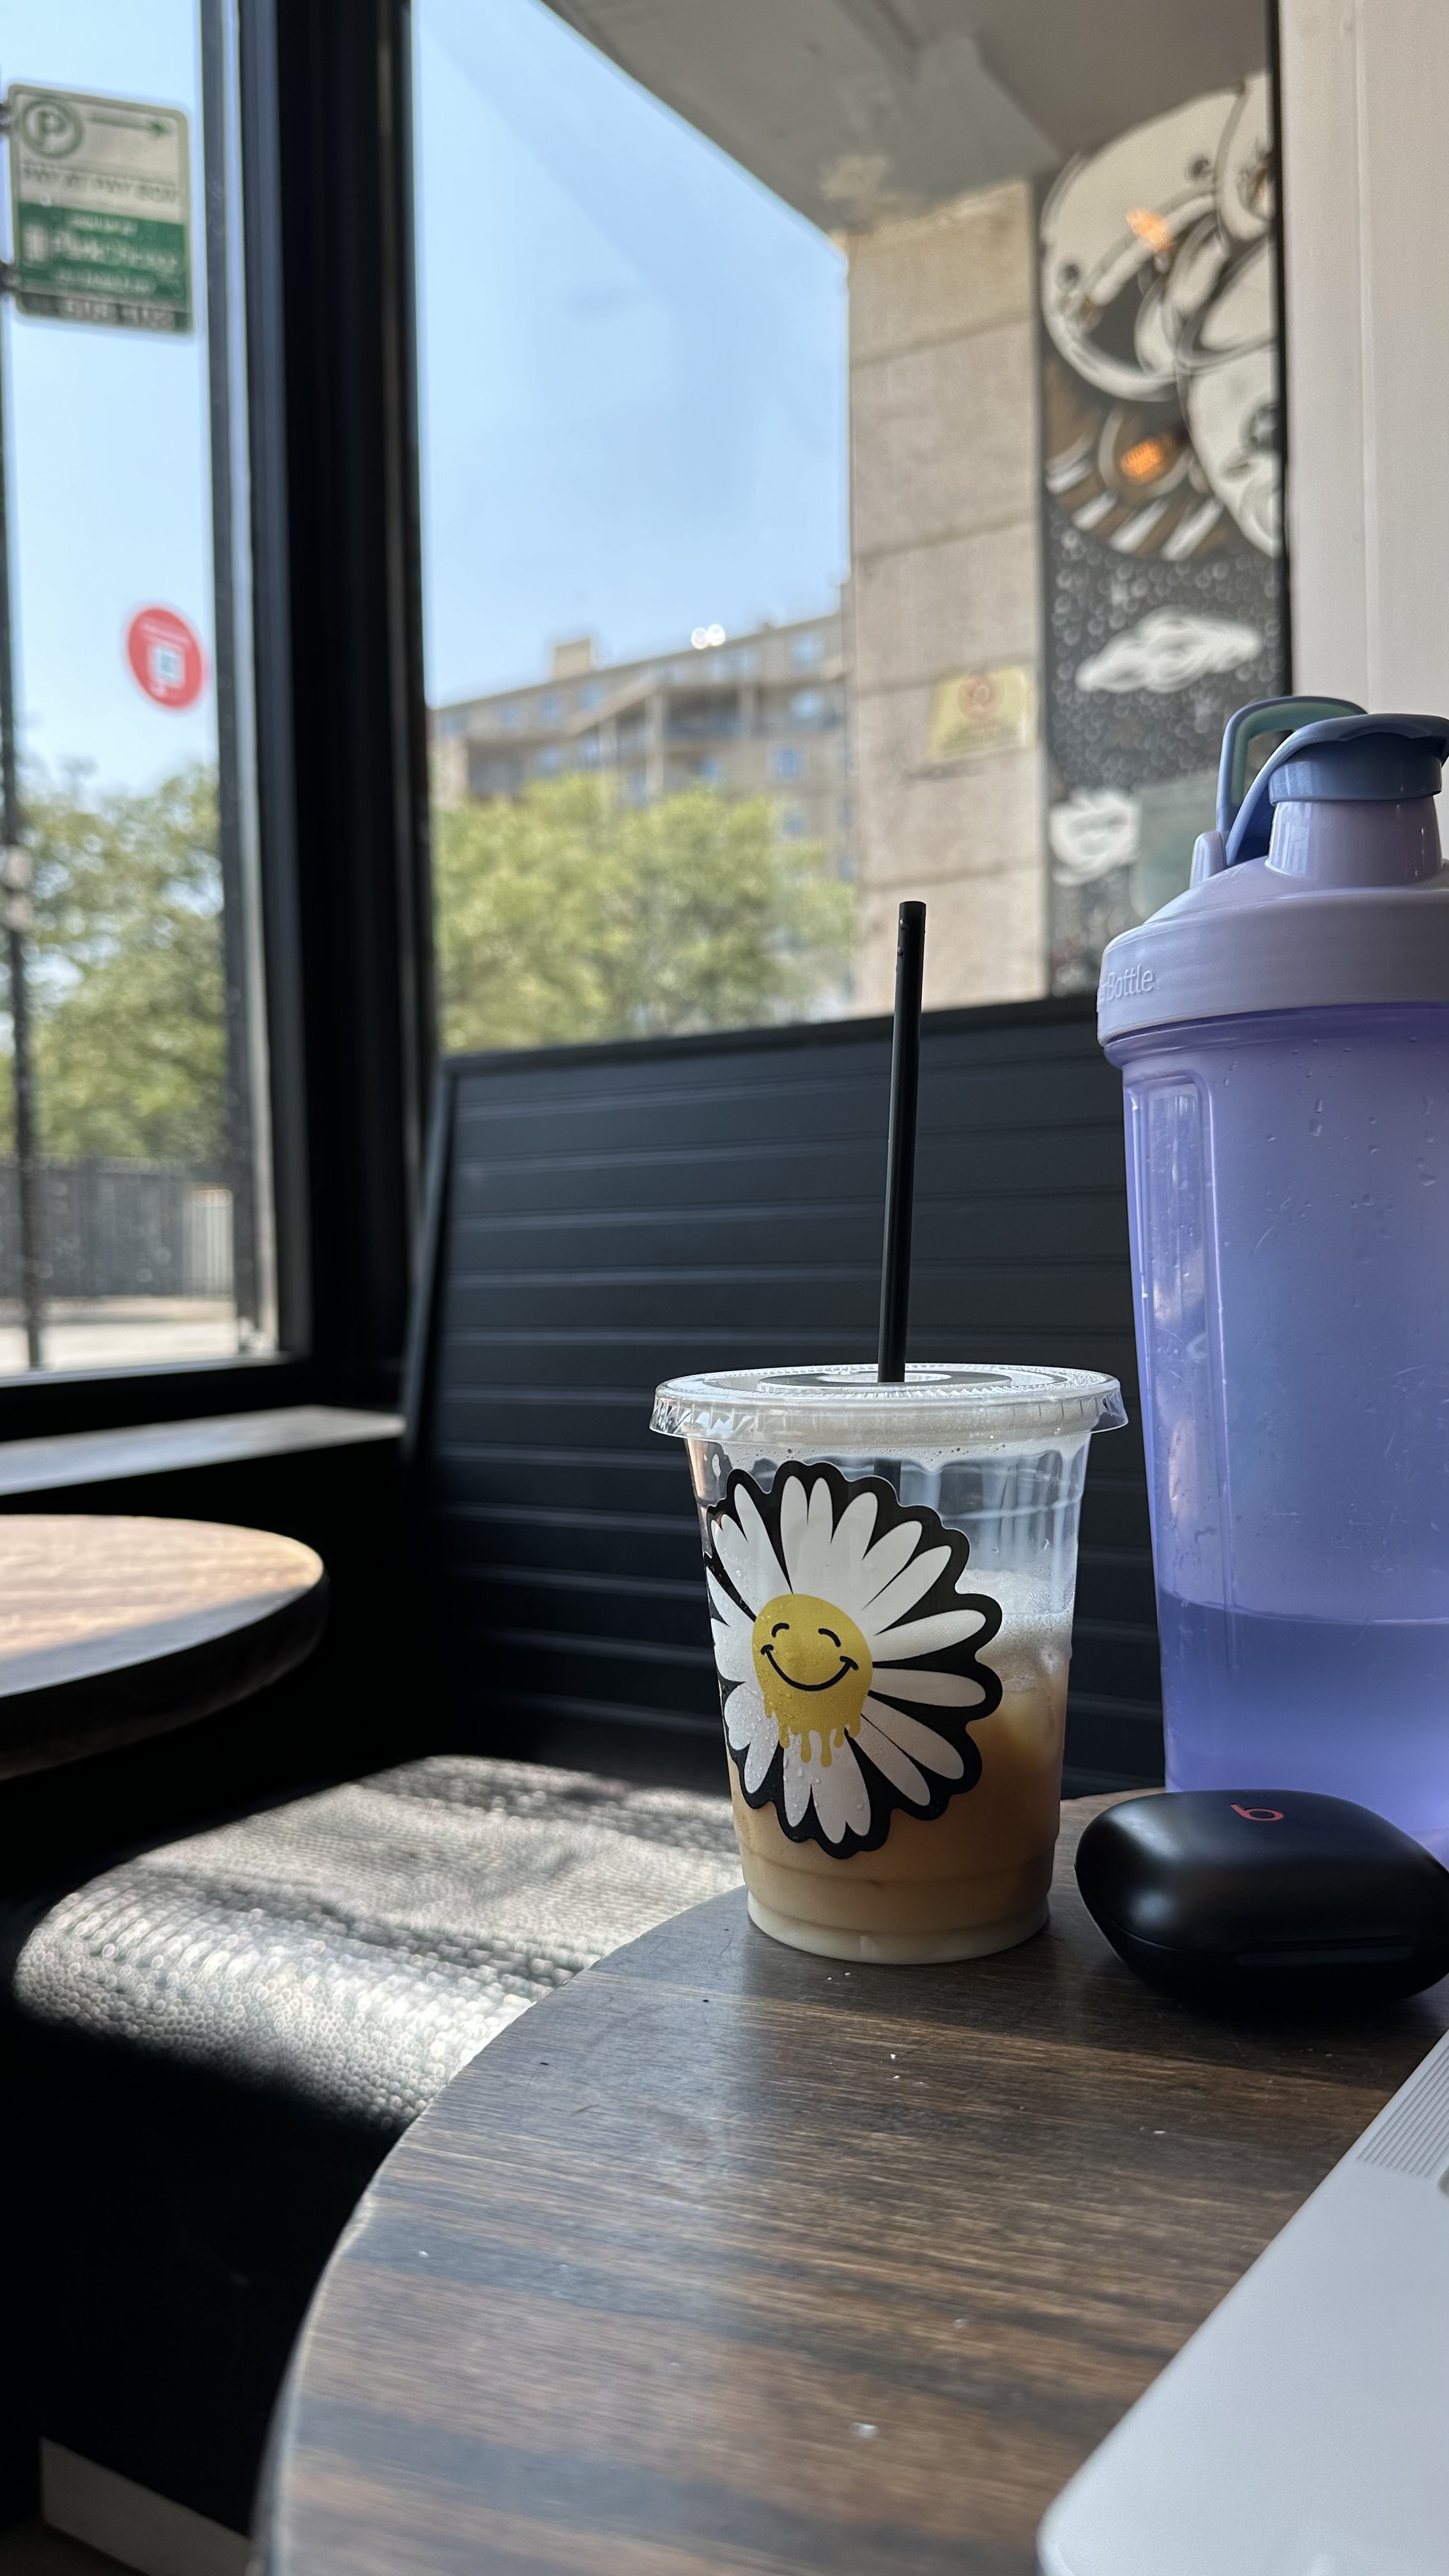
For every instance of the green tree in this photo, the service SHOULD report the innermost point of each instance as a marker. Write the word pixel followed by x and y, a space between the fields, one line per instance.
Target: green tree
pixel 126 989
pixel 567 914
pixel 564 915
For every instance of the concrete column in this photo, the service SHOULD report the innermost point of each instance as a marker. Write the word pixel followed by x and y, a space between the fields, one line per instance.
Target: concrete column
pixel 654 712
pixel 945 556
pixel 449 770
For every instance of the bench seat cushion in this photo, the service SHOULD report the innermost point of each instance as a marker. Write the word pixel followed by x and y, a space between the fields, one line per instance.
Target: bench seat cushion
pixel 209 2048
pixel 352 1950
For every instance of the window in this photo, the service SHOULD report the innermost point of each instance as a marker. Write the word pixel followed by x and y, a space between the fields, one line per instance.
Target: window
pixel 135 1227
pixel 494 774
pixel 701 711
pixel 935 407
pixel 550 707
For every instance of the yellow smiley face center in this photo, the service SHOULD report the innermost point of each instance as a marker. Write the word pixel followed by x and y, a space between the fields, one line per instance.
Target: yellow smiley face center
pixel 813 1667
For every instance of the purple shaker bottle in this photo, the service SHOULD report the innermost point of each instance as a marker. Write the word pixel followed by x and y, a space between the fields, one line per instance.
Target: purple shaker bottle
pixel 1283 1031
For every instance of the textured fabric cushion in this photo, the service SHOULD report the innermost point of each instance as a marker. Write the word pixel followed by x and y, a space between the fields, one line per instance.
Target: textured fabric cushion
pixel 207 2050
pixel 352 1950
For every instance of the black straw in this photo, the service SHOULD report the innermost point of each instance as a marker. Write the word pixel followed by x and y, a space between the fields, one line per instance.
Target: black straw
pixel 895 1266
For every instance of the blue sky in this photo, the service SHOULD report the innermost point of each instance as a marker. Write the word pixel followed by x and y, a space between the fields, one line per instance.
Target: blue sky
pixel 632 369
pixel 633 362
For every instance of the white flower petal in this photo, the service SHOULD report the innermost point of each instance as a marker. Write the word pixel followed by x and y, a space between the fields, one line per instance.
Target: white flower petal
pixel 840 1575
pixel 806 1531
pixel 842 1799
pixel 897 1766
pixel 940 1690
pixel 798 1784
pixel 907 1589
pixel 757 1760
pixel 744 1550
pixel 792 1515
pixel 927 1636
pixel 794 1511
pixel 727 1608
pixel 744 1715
pixel 890 1554
pixel 927 1747
pixel 733 1550
pixel 732 1653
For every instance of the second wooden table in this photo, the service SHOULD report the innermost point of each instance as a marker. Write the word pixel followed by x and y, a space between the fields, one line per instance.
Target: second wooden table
pixel 114 1628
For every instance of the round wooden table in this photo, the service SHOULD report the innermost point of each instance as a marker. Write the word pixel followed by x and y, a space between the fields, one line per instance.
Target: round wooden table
pixel 112 1629
pixel 725 2258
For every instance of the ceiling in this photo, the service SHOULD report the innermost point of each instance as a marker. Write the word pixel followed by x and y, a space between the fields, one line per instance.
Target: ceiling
pixel 852 110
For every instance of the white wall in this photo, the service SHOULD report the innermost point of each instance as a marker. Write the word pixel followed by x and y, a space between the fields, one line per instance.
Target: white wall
pixel 1366 241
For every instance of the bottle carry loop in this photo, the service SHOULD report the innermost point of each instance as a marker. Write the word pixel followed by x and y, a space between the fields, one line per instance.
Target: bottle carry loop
pixel 1264 715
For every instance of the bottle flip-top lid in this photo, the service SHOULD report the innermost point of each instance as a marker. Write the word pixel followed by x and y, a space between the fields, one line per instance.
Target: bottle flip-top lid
pixel 1322 883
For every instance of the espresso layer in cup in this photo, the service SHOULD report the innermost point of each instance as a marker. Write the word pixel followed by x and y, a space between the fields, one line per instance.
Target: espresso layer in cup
pixel 986 1861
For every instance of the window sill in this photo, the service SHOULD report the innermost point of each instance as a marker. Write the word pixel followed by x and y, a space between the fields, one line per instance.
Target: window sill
pixel 50 1403
pixel 171 1448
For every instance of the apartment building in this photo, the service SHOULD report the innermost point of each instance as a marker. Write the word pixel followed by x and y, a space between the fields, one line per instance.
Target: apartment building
pixel 762 714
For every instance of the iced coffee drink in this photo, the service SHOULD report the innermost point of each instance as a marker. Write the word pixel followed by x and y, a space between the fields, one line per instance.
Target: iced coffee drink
pixel 890 1572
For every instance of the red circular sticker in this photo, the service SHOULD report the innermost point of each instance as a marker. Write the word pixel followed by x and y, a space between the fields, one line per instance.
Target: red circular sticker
pixel 166 657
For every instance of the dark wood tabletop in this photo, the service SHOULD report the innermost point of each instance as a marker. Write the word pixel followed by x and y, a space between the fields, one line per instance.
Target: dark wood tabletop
pixel 728 2259
pixel 113 1628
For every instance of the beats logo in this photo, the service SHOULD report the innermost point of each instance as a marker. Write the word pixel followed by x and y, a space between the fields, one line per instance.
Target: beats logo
pixel 1258 1815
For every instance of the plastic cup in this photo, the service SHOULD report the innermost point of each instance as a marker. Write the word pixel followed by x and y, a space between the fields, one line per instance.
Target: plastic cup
pixel 891 1571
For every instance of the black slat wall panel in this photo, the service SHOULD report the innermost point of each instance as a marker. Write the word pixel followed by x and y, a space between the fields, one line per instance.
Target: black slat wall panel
pixel 617 1215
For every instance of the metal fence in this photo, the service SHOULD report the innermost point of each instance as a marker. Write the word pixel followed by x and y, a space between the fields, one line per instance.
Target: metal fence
pixel 122 1230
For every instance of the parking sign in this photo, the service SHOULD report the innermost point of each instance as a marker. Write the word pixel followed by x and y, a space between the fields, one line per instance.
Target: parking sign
pixel 100 201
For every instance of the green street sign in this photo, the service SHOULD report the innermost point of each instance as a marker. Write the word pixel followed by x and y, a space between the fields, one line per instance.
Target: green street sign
pixel 100 200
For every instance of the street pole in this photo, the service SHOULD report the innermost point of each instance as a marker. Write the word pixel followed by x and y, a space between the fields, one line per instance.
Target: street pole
pixel 15 869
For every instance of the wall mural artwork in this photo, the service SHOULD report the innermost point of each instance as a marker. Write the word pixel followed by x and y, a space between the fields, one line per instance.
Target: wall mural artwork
pixel 1162 489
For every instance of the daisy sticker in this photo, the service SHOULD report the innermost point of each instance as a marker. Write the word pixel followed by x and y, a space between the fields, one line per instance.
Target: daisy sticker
pixel 847 1653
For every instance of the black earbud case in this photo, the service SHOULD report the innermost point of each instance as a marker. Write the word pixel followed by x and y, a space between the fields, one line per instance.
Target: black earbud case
pixel 1266 1897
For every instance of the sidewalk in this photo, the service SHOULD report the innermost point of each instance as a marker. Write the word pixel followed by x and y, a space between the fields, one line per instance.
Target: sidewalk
pixel 122 1332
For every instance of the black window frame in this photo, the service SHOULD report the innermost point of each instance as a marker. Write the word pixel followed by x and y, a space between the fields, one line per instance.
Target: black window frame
pixel 326 214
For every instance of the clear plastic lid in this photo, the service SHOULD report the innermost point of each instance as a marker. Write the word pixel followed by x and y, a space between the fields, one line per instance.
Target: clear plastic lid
pixel 842 1409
